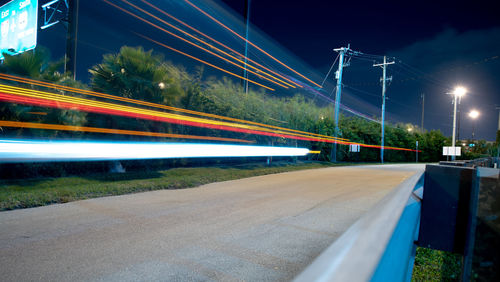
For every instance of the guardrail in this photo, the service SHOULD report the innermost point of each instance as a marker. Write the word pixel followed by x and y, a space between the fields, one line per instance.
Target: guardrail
pixel 458 213
pixel 380 245
pixel 481 162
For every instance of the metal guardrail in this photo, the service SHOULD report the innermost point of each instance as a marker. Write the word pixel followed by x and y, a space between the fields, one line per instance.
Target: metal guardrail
pixel 481 162
pixel 377 247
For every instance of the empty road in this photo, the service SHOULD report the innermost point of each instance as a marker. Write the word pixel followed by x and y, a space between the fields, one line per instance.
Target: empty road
pixel 261 228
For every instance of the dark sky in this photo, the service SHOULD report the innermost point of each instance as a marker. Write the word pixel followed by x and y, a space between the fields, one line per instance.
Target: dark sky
pixel 452 42
pixel 374 26
pixel 441 43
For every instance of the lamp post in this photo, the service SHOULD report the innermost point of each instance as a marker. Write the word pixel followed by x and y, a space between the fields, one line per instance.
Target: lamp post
pixel 410 130
pixel 457 93
pixel 473 115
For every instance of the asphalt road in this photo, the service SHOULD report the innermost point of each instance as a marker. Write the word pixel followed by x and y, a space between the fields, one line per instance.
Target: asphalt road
pixel 260 228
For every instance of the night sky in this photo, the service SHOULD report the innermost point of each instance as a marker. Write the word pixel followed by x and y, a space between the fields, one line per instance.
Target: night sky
pixel 452 42
pixel 447 43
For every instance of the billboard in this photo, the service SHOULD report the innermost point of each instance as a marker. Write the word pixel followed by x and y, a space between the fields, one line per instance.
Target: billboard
pixel 19 21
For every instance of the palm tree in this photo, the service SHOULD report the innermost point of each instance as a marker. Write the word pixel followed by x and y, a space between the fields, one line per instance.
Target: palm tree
pixel 36 64
pixel 138 74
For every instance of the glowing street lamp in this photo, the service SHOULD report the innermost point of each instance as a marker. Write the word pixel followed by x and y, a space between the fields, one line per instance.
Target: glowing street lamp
pixel 473 115
pixel 458 93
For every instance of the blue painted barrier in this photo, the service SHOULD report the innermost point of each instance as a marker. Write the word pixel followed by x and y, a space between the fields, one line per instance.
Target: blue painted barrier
pixel 397 261
pixel 380 245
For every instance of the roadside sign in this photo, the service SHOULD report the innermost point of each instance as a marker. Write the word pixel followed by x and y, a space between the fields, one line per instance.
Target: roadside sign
pixel 354 148
pixel 18 26
pixel 452 151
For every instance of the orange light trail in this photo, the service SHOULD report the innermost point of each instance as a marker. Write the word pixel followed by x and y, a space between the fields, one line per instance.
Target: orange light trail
pixel 220 57
pixel 56 100
pixel 206 43
pixel 244 39
pixel 38 113
pixel 223 45
pixel 139 102
pixel 192 57
pixel 40 98
pixel 204 62
pixel 34 125
pixel 189 42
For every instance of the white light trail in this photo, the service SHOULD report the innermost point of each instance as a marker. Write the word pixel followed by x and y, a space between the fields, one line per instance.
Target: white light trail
pixel 47 151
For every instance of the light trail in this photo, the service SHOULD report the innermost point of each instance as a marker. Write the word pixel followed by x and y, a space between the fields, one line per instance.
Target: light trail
pixel 206 43
pixel 342 106
pixel 204 62
pixel 221 44
pixel 191 43
pixel 34 97
pixel 143 103
pixel 42 151
pixel 33 125
pixel 39 98
pixel 244 39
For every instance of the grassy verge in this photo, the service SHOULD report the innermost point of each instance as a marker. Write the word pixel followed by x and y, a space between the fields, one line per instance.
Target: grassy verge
pixel 433 265
pixel 27 193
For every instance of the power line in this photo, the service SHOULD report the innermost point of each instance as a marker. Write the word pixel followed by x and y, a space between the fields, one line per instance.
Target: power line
pixel 329 71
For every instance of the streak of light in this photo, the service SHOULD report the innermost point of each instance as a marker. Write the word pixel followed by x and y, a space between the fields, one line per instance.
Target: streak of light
pixel 38 113
pixel 206 43
pixel 207 63
pixel 39 98
pixel 257 47
pixel 34 125
pixel 191 43
pixel 43 151
pixel 221 44
pixel 314 152
pixel 139 102
pixel 344 107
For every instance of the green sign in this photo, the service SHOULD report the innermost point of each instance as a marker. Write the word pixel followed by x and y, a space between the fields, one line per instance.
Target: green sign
pixel 18 20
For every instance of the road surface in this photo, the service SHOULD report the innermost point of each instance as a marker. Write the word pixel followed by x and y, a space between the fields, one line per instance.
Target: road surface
pixel 261 228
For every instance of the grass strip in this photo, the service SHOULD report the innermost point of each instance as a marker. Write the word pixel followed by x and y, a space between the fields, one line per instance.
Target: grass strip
pixel 434 265
pixel 28 193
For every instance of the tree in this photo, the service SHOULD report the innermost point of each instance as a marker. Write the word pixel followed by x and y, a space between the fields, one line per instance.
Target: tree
pixel 36 64
pixel 138 74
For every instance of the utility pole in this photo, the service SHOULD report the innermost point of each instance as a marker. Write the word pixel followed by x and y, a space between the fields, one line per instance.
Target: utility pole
pixel 342 52
pixel 498 130
pixel 247 24
pixel 416 151
pixel 458 120
pixel 384 80
pixel 498 108
pixel 71 37
pixel 423 107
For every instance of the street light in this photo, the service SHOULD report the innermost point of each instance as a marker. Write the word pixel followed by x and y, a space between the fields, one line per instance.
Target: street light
pixel 458 93
pixel 410 131
pixel 473 115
